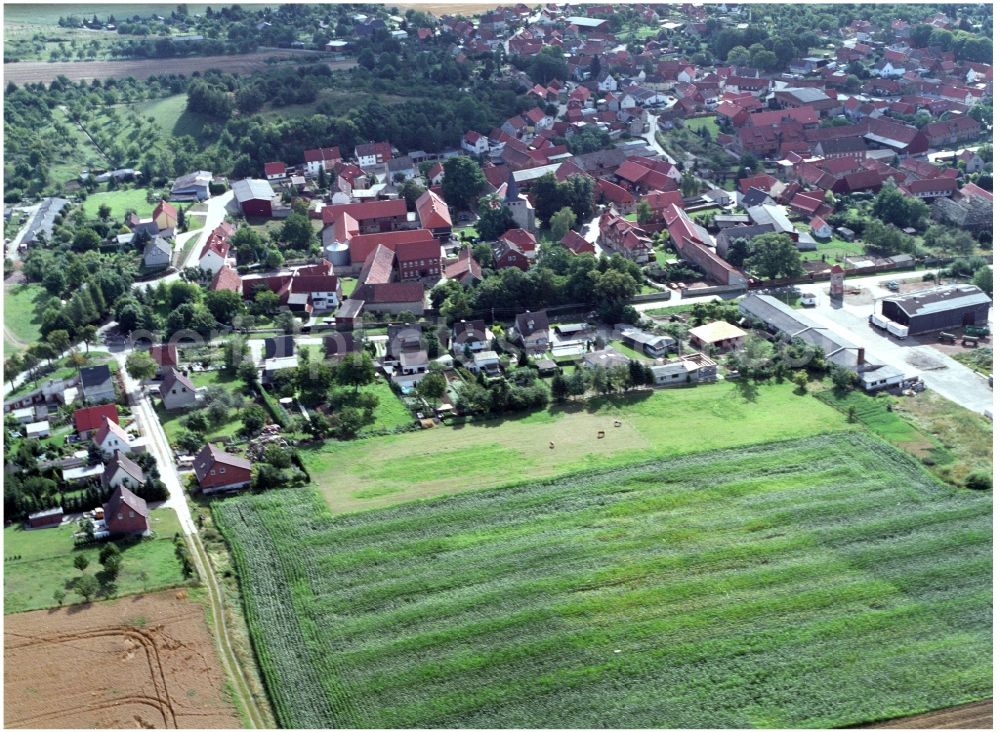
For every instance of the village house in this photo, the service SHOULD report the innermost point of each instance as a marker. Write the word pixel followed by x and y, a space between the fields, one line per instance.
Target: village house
pixel 88 420
pixel 217 470
pixel 177 391
pixel 624 237
pixel 470 334
pixel 121 471
pixel 96 384
pixel 373 153
pixel 125 513
pixel 111 437
pixel 531 330
pixel 157 253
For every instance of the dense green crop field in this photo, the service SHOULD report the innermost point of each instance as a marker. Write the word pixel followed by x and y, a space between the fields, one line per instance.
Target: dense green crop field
pixel 816 582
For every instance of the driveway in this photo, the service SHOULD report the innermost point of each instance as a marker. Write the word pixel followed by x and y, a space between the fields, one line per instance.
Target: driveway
pixel 940 372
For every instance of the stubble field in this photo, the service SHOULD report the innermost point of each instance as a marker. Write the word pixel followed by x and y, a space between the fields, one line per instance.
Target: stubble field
pixel 818 582
pixel 146 661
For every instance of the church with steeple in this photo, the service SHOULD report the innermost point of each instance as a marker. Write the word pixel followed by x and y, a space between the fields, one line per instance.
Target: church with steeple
pixel 519 205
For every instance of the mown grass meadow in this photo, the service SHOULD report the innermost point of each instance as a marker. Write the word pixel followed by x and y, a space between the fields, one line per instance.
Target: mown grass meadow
pixel 386 470
pixel 816 582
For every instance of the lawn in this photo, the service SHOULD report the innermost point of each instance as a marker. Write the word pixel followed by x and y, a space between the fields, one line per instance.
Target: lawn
pixel 347 285
pixel 391 412
pixel 120 201
pixel 22 313
pixel 835 250
pixel 629 352
pixel 695 124
pixel 171 114
pixel 820 582
pixel 46 563
pixel 173 421
pixel 386 470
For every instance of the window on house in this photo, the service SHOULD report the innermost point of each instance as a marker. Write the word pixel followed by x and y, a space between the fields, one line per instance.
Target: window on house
pixel 131 514
pixel 222 470
pixel 212 472
pixel 120 517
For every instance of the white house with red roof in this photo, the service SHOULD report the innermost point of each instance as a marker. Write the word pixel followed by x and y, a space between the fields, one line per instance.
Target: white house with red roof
pixel 110 437
pixel 275 170
pixel 475 143
pixel 214 255
pixel 820 228
pixel 435 174
pixel 320 158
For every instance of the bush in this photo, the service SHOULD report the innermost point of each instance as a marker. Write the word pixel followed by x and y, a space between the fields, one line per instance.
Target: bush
pixel 979 480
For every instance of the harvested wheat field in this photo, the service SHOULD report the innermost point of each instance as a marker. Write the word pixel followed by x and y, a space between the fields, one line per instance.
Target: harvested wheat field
pixel 142 661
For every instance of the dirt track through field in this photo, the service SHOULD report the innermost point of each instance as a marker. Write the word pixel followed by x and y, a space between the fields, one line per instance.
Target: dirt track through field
pixel 142 661
pixel 978 715
pixel 27 72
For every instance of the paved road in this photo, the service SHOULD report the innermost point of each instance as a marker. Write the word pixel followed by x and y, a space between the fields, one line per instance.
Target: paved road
pixel 952 380
pixel 150 426
pixel 213 217
pixel 653 142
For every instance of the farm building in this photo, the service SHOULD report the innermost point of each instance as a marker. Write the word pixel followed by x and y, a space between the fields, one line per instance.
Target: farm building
pixel 936 308
pixel 126 513
pixel 218 470
pixel 654 346
pixel 883 377
pixel 254 197
pixel 778 317
pixel 45 519
pixel 719 335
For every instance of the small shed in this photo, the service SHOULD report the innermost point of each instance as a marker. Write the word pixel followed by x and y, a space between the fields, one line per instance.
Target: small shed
pixel 37 430
pixel 48 518
pixel 883 377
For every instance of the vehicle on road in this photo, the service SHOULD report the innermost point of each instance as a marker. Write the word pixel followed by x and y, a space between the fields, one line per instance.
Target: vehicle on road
pixel 892 285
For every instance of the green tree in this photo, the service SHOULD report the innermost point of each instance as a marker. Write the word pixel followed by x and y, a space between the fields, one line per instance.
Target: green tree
pixel 774 255
pixel 411 190
pixel 801 379
pixel 843 379
pixel 738 56
pixel 253 418
pixel 140 366
pixel 297 231
pixel 355 370
pixel 561 222
pixel 104 212
pixel 893 207
pixel 432 387
pixel 983 279
pixel 86 240
pixel 59 596
pixel 224 305
pixel 86 586
pixel 560 389
pixel 494 219
pixel 59 340
pixel 644 212
pixel 81 562
pixel 463 180
pixel 88 334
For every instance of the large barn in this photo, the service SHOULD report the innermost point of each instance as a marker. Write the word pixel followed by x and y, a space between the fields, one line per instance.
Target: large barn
pixel 254 197
pixel 938 308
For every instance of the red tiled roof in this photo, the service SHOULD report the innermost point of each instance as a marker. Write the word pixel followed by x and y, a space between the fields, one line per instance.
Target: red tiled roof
pixel 227 278
pixel 362 245
pixel 433 211
pixel 576 243
pixel 377 268
pixel 320 154
pixel 92 418
pixel 366 210
pixel 521 239
pixel 274 168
